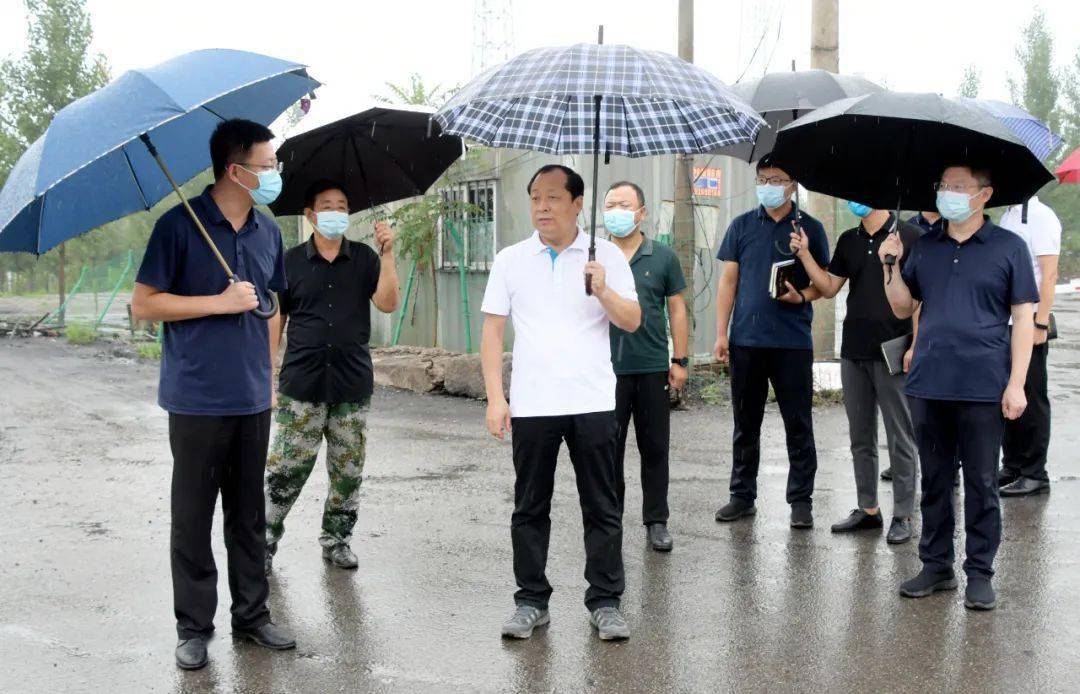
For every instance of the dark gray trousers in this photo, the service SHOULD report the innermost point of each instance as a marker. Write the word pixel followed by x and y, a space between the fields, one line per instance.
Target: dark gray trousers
pixel 868 387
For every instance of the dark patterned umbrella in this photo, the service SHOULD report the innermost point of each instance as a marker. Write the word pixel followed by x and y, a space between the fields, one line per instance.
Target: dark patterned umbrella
pixel 593 99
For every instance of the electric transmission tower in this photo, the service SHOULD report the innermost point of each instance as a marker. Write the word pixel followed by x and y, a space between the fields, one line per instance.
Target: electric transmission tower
pixel 493 33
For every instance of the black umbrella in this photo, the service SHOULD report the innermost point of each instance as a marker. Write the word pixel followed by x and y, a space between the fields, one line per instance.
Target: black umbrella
pixel 781 97
pixel 380 155
pixel 887 149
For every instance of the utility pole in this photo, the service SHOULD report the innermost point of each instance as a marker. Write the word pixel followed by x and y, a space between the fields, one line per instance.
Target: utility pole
pixel 682 224
pixel 825 55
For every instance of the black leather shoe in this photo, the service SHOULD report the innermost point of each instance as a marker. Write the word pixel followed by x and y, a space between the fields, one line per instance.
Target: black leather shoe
pixel 801 516
pixel 886 474
pixel 1025 486
pixel 980 594
pixel 191 654
pixel 1005 478
pixel 899 532
pixel 859 520
pixel 659 537
pixel 927 583
pixel 340 556
pixel 268 635
pixel 735 509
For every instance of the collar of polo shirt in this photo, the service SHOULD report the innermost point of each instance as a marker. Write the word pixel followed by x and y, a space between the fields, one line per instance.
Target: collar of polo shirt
pixel 581 242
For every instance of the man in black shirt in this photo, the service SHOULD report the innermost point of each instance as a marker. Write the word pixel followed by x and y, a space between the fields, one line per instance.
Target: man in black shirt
pixel 326 377
pixel 867 382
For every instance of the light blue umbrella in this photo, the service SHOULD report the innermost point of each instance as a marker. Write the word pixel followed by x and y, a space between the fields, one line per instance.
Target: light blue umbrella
pixel 1032 132
pixel 103 156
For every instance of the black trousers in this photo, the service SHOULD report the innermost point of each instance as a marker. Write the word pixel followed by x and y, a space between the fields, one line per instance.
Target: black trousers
pixel 645 397
pixel 590 439
pixel 943 429
pixel 791 373
pixel 1027 439
pixel 211 455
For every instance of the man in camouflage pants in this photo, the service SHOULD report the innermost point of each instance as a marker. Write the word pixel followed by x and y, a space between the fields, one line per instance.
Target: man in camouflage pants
pixel 326 376
pixel 302 426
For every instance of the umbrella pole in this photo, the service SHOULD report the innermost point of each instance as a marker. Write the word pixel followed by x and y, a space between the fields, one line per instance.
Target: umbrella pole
pixel 595 193
pixel 258 312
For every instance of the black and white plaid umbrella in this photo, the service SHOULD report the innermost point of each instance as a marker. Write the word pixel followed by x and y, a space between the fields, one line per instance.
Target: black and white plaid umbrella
pixel 599 99
pixel 651 103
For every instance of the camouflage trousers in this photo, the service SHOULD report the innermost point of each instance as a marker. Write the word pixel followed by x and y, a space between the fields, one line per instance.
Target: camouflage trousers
pixel 301 428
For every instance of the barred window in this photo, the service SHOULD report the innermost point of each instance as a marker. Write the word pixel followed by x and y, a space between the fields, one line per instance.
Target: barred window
pixel 470 235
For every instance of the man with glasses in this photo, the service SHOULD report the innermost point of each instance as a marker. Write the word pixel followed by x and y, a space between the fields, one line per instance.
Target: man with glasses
pixel 216 383
pixel 968 373
pixel 769 341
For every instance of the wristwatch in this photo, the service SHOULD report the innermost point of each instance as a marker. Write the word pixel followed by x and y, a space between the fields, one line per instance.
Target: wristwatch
pixel 681 361
pixel 1042 326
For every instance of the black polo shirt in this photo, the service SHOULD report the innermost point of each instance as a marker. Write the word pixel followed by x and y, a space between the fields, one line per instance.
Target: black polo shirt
pixel 869 320
pixel 328 306
pixel 967 292
pixel 657 276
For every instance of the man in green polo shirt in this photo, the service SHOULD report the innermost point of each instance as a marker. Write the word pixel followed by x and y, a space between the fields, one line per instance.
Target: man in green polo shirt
pixel 642 368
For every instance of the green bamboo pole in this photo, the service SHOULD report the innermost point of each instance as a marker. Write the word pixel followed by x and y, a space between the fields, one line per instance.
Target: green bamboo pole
pixel 60 311
pixel 404 305
pixel 459 241
pixel 116 288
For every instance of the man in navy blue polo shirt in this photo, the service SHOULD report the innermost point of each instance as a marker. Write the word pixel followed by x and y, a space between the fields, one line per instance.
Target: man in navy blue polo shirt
pixel 967 375
pixel 216 383
pixel 769 342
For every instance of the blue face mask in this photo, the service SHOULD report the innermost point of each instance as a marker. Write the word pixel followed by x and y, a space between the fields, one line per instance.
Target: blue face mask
pixel 332 224
pixel 620 223
pixel 269 186
pixel 953 206
pixel 858 209
pixel 771 196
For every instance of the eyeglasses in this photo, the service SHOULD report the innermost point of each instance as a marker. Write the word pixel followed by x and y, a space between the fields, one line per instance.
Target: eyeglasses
pixel 772 181
pixel 262 168
pixel 943 187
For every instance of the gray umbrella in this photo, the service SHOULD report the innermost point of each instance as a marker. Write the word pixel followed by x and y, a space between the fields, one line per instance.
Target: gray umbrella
pixel 781 97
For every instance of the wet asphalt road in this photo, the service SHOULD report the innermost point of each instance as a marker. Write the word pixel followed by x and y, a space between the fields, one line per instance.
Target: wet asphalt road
pixel 85 596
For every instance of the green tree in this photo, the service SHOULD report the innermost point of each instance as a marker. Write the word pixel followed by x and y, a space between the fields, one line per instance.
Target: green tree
pixel 415 93
pixel 1070 116
pixel 56 68
pixel 417 226
pixel 971 82
pixel 1038 87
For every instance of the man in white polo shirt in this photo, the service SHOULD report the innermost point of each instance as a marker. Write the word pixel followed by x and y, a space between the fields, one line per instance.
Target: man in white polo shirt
pixel 1027 439
pixel 562 389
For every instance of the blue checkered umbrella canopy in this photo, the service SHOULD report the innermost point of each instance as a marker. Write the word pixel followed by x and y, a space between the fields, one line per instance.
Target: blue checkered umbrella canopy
pixel 651 103
pixel 1034 133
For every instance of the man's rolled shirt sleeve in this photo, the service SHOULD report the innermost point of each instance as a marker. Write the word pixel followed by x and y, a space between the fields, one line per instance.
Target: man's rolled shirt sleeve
pixel 909 271
pixel 1022 287
pixel 161 261
pixel 620 277
pixel 497 293
pixel 729 246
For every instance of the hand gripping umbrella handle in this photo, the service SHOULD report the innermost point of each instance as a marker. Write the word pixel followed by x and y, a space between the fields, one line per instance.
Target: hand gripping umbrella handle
pixel 258 312
pixel 588 278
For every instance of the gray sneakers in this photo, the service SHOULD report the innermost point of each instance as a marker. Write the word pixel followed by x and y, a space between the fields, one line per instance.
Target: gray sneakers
pixel 610 624
pixel 523 621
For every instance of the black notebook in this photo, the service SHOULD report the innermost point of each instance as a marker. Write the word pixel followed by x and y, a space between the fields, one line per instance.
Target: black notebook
pixel 782 271
pixel 893 350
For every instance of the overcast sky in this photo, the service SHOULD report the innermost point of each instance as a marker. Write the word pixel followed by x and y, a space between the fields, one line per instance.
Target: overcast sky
pixel 355 46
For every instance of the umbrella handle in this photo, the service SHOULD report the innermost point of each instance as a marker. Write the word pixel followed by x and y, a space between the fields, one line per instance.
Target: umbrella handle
pixel 588 278
pixel 258 311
